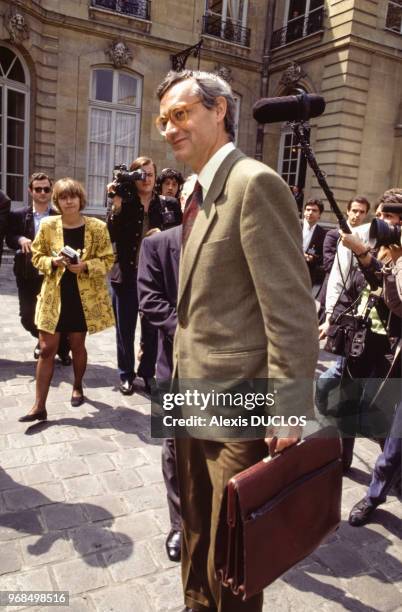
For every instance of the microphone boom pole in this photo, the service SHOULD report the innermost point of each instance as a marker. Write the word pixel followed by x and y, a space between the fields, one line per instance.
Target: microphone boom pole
pixel 299 130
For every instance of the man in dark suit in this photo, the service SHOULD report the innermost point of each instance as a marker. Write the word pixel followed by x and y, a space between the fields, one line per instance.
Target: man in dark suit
pixel 313 240
pixel 5 204
pixel 157 280
pixel 22 229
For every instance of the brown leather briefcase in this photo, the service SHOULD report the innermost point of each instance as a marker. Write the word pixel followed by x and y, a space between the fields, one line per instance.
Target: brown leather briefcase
pixel 277 512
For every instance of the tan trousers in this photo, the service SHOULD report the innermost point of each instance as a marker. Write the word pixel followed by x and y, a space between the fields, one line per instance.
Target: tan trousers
pixel 204 468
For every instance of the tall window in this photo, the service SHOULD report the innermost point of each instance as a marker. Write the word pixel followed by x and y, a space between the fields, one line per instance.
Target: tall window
pixel 227 19
pixel 114 127
pixel 289 158
pixel 237 98
pixel 14 129
pixel 394 16
pixel 303 17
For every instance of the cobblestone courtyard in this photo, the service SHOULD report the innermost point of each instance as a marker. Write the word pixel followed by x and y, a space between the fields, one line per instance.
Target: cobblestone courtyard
pixel 82 502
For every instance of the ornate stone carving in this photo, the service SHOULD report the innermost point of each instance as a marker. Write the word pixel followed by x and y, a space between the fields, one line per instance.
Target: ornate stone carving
pixel 119 53
pixel 17 27
pixel 292 75
pixel 224 72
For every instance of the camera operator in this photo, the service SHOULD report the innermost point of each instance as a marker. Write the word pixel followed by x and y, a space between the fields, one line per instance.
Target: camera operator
pixel 134 210
pixel 387 469
pixel 376 328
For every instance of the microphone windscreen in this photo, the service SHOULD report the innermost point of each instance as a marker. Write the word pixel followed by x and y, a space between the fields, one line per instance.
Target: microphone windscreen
pixel 288 108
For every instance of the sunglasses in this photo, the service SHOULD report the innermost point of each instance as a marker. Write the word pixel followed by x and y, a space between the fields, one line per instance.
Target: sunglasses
pixel 177 114
pixel 40 189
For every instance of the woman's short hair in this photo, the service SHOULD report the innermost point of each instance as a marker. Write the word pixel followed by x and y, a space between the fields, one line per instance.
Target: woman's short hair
pixel 68 187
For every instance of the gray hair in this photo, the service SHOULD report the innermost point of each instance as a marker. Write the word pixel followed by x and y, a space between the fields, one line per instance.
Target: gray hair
pixel 208 86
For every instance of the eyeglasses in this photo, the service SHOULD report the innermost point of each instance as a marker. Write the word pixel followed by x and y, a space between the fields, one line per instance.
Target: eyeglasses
pixel 40 189
pixel 177 114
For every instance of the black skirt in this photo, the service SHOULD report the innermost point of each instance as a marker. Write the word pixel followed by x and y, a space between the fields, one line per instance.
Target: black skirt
pixel 72 318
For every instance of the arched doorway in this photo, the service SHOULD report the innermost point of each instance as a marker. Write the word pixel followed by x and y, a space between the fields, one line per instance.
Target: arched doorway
pixel 14 124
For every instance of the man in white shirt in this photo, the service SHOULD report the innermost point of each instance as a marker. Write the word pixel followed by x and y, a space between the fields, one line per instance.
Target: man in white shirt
pixel 239 300
pixel 339 280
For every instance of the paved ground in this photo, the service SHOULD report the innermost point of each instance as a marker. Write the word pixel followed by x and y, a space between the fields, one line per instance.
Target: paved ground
pixel 82 503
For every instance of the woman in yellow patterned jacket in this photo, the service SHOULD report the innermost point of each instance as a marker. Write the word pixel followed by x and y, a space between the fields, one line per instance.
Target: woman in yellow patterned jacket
pixel 74 297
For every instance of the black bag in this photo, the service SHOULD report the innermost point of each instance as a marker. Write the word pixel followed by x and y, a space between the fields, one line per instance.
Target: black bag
pixel 23 267
pixel 347 335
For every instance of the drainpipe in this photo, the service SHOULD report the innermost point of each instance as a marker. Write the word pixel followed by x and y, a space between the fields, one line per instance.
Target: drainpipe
pixel 266 58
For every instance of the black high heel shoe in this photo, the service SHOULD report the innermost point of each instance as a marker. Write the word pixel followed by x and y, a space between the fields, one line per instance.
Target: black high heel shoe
pixel 77 400
pixel 36 416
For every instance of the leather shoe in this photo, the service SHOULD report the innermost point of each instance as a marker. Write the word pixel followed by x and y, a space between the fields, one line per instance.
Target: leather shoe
pixel 36 416
pixel 147 386
pixel 126 387
pixel 65 360
pixel 173 545
pixel 361 513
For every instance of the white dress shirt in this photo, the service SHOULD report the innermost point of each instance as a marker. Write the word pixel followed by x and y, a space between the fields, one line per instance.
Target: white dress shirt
pixel 344 263
pixel 307 234
pixel 207 174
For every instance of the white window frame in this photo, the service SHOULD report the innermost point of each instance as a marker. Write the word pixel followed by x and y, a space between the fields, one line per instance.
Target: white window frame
pixel 237 98
pixel 386 17
pixel 224 15
pixel 114 108
pixel 286 21
pixel 24 88
pixel 286 131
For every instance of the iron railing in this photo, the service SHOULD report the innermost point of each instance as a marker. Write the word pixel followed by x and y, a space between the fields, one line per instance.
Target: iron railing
pixel 134 8
pixel 214 25
pixel 299 28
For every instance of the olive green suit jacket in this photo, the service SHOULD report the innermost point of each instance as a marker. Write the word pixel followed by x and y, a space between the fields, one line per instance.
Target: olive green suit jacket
pixel 245 308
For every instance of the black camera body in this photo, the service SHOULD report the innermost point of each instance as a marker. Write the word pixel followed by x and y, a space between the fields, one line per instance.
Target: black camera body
pixel 124 182
pixel 170 212
pixel 384 234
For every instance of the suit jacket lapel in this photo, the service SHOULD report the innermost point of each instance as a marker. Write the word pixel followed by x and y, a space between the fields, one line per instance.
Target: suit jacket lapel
pixel 203 220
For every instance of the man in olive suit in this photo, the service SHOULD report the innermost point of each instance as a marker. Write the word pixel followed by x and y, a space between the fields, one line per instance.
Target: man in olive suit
pixel 244 306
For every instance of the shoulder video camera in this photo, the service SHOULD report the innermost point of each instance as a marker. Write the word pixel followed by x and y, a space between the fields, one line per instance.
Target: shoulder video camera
pixel 124 181
pixel 384 234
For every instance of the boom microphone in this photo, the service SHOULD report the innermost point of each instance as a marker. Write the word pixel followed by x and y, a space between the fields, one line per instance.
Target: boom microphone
pixel 288 108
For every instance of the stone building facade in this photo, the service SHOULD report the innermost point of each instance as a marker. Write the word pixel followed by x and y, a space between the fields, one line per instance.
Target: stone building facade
pixel 77 83
pixel 350 52
pixel 78 80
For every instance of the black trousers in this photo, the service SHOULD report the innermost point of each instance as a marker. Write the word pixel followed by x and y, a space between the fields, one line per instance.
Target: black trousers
pixel 361 378
pixel 169 470
pixel 28 289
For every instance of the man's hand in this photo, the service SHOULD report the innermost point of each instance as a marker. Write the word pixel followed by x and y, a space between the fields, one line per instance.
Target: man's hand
pixel 78 267
pixel 396 252
pixel 323 328
pixel 117 201
pixel 353 242
pixel 25 244
pixel 277 443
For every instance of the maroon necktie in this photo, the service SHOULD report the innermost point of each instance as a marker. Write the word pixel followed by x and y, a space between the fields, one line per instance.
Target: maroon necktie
pixel 191 211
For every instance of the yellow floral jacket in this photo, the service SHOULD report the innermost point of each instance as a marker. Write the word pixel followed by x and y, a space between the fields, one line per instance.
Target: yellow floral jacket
pixel 98 255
